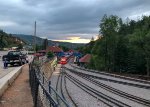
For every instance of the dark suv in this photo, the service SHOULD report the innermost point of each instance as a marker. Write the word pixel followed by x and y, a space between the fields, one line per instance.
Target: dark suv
pixel 15 57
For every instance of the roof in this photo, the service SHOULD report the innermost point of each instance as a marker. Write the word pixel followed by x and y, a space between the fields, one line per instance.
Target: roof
pixel 42 51
pixel 54 49
pixel 71 50
pixel 37 54
pixel 86 58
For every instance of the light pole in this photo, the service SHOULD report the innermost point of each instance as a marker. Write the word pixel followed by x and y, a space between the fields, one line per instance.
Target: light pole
pixel 34 37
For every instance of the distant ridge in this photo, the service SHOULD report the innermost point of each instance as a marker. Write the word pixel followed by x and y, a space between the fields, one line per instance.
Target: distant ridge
pixel 9 41
pixel 29 40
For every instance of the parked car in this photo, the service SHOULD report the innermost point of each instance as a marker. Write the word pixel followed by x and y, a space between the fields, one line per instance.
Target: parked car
pixel 15 57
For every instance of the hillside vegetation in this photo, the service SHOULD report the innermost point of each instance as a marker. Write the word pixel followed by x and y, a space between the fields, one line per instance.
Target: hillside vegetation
pixel 122 47
pixel 29 40
pixel 8 41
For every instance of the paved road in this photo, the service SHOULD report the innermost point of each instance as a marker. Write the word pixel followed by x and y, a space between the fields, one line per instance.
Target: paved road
pixel 3 71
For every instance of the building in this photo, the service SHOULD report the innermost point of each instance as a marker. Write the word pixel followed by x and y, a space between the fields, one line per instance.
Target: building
pixel 55 49
pixel 85 60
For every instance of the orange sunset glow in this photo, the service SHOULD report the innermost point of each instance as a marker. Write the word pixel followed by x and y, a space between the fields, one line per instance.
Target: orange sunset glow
pixel 75 40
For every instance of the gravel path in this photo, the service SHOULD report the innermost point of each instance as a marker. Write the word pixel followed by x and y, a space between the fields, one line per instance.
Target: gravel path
pixel 19 94
pixel 54 76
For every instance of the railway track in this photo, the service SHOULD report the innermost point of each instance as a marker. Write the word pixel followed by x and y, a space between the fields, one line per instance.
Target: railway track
pixel 61 87
pixel 67 92
pixel 109 101
pixel 118 92
pixel 111 80
pixel 113 75
pixel 57 89
pixel 113 90
pixel 63 83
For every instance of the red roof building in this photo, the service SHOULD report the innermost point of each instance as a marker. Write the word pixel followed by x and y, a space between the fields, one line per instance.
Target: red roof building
pixel 54 49
pixel 40 51
pixel 85 59
pixel 71 51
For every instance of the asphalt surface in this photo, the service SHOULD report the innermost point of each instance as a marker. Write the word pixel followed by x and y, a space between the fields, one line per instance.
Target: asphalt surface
pixel 5 71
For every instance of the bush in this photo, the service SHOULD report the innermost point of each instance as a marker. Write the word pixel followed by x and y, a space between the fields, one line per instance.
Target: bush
pixel 50 55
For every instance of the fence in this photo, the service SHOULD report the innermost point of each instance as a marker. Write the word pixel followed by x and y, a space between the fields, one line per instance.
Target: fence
pixel 42 92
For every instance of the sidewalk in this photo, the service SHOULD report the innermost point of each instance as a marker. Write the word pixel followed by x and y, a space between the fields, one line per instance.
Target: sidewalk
pixel 3 71
pixel 19 93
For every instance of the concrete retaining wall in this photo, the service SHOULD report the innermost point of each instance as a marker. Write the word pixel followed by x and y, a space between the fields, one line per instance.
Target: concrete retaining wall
pixel 7 80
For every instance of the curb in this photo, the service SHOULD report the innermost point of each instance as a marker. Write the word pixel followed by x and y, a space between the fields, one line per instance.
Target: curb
pixel 7 80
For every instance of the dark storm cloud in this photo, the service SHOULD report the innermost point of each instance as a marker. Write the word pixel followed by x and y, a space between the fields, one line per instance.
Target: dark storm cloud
pixel 58 19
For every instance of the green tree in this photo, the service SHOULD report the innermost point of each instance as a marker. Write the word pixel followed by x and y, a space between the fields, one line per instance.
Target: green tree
pixel 20 46
pixel 109 29
pixel 64 48
pixel 2 43
pixel 50 54
pixel 123 47
pixel 38 47
pixel 141 42
pixel 45 44
pixel 92 39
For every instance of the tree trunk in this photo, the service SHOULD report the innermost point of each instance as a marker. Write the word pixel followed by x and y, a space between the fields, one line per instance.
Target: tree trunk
pixel 147 67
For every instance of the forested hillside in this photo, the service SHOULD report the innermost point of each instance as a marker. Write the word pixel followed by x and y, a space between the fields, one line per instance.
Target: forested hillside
pixel 29 40
pixel 122 46
pixel 8 41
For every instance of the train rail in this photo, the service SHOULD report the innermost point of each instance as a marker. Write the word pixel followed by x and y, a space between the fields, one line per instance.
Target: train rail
pixel 57 88
pixel 63 83
pixel 117 92
pixel 111 80
pixel 61 87
pixel 109 101
pixel 113 75
pixel 67 92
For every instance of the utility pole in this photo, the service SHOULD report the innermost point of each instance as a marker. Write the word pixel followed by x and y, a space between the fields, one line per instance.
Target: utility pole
pixel 34 37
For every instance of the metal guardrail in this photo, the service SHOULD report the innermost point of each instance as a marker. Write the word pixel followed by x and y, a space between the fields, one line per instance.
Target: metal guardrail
pixel 43 94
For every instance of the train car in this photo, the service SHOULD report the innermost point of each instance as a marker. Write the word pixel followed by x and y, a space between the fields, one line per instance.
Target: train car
pixel 63 60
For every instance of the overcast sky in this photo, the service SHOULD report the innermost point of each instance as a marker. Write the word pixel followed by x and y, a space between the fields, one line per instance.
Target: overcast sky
pixel 65 19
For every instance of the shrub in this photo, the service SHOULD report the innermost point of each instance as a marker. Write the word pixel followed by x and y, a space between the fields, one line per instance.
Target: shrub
pixel 50 55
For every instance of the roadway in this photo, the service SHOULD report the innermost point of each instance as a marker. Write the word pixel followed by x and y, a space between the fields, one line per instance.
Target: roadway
pixel 5 71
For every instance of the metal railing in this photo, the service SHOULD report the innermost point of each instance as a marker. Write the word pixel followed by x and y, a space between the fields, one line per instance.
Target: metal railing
pixel 43 94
